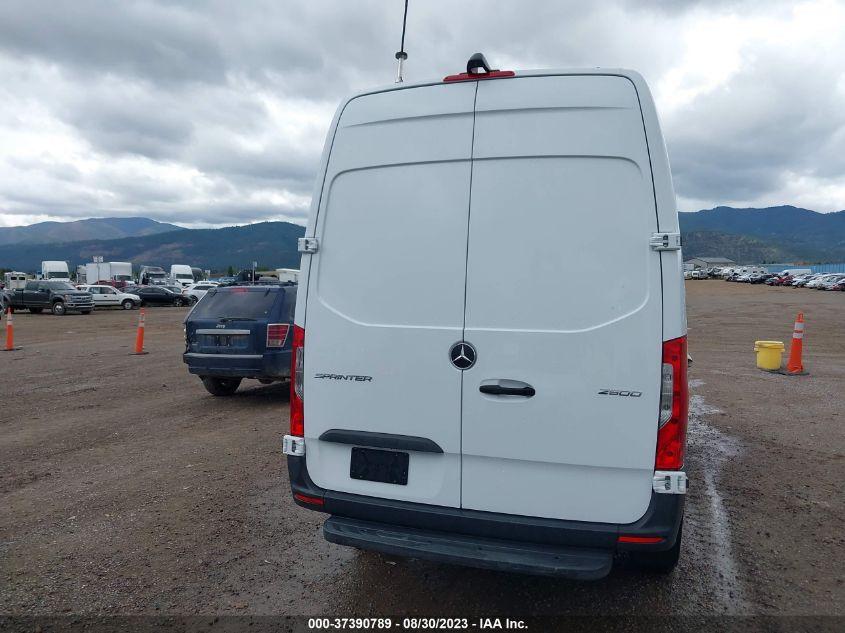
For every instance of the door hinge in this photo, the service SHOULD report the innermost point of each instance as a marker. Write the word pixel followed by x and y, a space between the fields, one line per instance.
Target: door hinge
pixel 293 445
pixel 308 245
pixel 669 482
pixel 665 241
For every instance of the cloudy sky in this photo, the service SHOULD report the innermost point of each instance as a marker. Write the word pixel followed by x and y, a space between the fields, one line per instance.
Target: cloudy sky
pixel 214 113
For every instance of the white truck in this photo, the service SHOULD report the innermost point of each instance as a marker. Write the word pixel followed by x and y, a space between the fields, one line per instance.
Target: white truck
pixel 55 270
pixel 152 276
pixel 495 417
pixel 113 273
pixel 181 275
pixel 288 274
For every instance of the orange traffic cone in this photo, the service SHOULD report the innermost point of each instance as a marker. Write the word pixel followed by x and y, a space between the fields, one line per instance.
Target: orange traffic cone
pixel 794 366
pixel 139 336
pixel 10 332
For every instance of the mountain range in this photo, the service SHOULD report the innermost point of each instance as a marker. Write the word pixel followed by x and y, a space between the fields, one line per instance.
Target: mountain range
pixel 271 244
pixel 91 229
pixel 773 234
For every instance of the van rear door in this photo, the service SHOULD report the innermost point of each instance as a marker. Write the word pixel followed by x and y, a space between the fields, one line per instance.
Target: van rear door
pixel 563 302
pixel 385 297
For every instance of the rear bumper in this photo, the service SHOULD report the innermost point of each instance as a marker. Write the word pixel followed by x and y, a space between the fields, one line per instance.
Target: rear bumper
pixel 550 560
pixel 270 365
pixel 438 533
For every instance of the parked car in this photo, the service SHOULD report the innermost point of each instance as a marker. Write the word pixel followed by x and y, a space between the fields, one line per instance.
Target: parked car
pixel 239 332
pixel 441 421
pixel 160 296
pixel 109 296
pixel 58 296
pixel 803 280
pixel 760 278
pixel 830 282
pixel 197 291
pixel 779 280
pixel 839 285
pixel 819 281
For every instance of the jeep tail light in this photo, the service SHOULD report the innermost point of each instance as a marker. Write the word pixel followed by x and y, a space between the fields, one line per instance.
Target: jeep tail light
pixel 674 406
pixel 277 334
pixel 297 373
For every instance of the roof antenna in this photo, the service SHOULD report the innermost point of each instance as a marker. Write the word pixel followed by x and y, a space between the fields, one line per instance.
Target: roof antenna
pixel 401 55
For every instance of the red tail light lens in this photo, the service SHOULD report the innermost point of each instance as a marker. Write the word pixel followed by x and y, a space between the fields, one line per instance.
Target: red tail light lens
pixel 674 406
pixel 314 501
pixel 277 334
pixel 297 380
pixel 643 540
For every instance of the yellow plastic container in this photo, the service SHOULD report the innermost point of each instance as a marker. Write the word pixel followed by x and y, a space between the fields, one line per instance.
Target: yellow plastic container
pixel 769 354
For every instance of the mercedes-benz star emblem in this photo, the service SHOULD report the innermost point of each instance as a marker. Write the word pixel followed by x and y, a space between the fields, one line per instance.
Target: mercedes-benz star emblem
pixel 462 355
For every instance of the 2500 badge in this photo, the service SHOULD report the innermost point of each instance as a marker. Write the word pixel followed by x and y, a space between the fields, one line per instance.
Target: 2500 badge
pixel 620 392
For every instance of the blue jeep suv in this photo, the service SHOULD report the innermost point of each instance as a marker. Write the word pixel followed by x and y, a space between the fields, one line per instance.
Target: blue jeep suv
pixel 238 332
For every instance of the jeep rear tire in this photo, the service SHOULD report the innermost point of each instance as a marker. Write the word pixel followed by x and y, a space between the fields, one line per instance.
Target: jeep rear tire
pixel 220 386
pixel 59 308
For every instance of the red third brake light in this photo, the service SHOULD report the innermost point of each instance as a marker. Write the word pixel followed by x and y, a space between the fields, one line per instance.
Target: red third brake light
pixel 493 74
pixel 277 334
pixel 297 380
pixel 674 406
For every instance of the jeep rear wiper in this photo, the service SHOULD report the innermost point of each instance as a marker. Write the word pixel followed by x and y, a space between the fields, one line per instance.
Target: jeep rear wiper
pixel 227 319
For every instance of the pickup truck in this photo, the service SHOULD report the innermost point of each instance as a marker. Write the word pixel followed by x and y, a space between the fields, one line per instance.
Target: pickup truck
pixel 55 295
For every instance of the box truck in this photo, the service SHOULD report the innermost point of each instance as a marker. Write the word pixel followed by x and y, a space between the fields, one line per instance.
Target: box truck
pixel 117 274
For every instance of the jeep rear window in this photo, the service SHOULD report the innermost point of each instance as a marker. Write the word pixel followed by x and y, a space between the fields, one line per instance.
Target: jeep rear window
pixel 238 303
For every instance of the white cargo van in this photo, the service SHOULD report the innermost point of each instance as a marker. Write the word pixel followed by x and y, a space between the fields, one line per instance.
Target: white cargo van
pixel 449 404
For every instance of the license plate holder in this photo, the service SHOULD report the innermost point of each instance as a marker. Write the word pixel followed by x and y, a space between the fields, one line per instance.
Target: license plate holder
pixel 388 467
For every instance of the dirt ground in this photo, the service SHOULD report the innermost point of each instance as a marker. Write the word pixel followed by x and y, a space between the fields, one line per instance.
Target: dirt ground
pixel 126 489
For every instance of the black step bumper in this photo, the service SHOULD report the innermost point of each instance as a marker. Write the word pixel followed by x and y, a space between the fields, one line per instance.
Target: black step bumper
pixel 513 556
pixel 442 533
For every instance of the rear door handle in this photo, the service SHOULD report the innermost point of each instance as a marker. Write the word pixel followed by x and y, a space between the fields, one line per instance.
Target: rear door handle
pixel 507 388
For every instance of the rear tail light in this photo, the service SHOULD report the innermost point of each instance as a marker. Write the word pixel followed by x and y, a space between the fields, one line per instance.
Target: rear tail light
pixel 674 406
pixel 641 540
pixel 314 501
pixel 277 334
pixel 297 372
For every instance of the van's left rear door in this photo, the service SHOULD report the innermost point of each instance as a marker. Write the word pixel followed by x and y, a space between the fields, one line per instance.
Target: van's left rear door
pixel 385 296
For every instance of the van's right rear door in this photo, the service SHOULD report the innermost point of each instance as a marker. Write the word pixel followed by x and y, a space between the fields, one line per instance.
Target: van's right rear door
pixel 563 302
pixel 385 296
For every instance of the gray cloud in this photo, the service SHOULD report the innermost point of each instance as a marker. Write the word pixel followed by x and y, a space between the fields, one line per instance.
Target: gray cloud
pixel 213 112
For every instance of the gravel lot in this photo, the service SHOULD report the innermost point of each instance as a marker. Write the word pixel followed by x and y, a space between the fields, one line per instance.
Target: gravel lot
pixel 126 489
